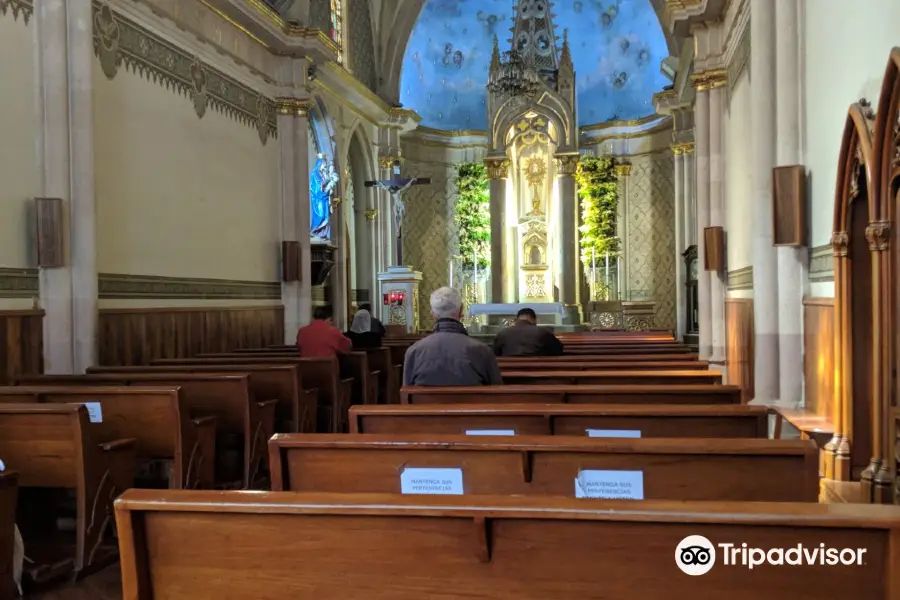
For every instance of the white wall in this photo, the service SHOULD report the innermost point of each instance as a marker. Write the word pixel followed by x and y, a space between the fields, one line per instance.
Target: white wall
pixel 177 195
pixel 738 197
pixel 845 55
pixel 18 133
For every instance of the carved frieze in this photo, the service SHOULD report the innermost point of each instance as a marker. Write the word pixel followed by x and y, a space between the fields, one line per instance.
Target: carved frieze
pixel 17 8
pixel 118 41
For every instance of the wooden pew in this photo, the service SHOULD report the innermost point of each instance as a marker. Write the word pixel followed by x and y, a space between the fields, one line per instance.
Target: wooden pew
pixel 296 409
pixel 573 394
pixel 385 547
pixel 390 374
pixel 601 365
pixel 578 350
pixel 56 446
pixel 242 422
pixel 652 421
pixel 679 469
pixel 321 373
pixel 485 548
pixel 155 417
pixel 687 356
pixel 615 377
pixel 9 488
pixel 353 366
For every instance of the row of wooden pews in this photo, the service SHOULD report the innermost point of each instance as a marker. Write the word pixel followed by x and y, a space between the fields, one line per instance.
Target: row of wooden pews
pixel 582 477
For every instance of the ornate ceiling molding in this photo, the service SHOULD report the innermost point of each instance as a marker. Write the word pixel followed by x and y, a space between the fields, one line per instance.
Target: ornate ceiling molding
pixel 17 8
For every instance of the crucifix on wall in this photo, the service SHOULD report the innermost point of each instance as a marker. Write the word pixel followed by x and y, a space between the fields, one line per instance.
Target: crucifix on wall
pixel 396 186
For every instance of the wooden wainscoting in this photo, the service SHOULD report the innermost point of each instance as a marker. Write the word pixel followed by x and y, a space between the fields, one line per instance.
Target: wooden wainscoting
pixel 21 343
pixel 137 336
pixel 818 356
pixel 739 344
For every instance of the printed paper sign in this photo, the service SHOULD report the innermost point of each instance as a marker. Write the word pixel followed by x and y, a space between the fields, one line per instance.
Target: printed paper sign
pixel 490 432
pixel 432 481
pixel 613 433
pixel 613 485
pixel 95 412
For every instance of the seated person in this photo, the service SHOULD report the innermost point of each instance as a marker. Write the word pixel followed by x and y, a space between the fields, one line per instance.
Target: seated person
pixel 361 332
pixel 449 356
pixel 525 338
pixel 377 325
pixel 321 337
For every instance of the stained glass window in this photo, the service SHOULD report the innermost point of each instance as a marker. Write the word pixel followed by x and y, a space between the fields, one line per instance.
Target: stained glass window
pixel 337 27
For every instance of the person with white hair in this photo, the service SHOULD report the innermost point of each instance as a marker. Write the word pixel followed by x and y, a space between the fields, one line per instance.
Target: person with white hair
pixel 449 356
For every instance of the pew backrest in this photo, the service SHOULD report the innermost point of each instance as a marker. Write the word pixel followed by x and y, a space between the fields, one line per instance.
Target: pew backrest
pixel 563 419
pixel 683 469
pixel 205 544
pixel 9 485
pixel 612 377
pixel 573 394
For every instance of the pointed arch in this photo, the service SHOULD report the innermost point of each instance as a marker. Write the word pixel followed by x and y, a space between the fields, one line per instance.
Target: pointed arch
pixel 886 410
pixel 853 204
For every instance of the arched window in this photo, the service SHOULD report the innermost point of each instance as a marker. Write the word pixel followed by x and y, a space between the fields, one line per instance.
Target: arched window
pixel 337 27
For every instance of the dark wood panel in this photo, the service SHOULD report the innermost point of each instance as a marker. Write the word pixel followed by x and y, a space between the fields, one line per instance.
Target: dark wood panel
pixel 818 356
pixel 21 343
pixel 138 336
pixel 739 344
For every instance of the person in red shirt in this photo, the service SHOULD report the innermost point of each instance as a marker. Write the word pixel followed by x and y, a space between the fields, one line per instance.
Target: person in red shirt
pixel 321 337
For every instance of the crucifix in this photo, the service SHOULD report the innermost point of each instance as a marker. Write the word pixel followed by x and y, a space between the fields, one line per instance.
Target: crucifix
pixel 396 186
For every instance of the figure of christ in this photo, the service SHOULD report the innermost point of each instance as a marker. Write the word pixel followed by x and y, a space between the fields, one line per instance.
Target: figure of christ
pixel 396 187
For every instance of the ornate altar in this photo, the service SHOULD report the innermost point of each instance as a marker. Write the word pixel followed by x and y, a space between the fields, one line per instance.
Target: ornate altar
pixel 399 287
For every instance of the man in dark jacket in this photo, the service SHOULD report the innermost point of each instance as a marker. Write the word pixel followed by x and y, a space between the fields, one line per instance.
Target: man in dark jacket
pixel 377 326
pixel 525 338
pixel 449 356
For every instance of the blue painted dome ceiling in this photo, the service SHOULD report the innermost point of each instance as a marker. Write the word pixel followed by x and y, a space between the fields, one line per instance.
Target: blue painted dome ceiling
pixel 616 45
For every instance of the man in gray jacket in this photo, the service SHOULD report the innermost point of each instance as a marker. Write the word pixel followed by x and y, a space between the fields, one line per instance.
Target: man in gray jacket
pixel 449 356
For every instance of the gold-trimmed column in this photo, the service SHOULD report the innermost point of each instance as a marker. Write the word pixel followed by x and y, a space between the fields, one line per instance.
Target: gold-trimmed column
pixel 566 165
pixel 292 115
pixel 715 81
pixel 704 279
pixel 498 170
pixel 837 450
pixel 623 172
pixel 680 227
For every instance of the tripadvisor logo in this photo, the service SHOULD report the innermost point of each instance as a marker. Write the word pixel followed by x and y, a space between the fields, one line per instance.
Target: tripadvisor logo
pixel 696 555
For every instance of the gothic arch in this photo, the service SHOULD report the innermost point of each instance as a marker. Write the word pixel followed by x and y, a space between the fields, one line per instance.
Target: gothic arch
pixel 885 406
pixel 362 168
pixel 554 111
pixel 853 206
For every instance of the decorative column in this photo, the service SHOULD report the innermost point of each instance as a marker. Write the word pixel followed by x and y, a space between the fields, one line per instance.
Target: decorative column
pixel 388 244
pixel 623 170
pixel 716 82
pixel 569 263
pixel 66 154
pixel 293 131
pixel 701 138
pixel 680 220
pixel 690 198
pixel 762 142
pixel 790 260
pixel 497 172
pixel 372 232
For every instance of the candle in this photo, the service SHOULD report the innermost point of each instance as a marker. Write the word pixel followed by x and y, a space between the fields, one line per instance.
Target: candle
pixel 607 270
pixel 475 258
pixel 593 273
pixel 451 272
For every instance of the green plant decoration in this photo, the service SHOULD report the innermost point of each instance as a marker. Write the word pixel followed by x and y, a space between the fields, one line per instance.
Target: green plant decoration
pixel 598 187
pixel 472 215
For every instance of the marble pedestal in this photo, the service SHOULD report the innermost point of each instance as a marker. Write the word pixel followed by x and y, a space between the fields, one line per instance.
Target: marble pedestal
pixel 398 299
